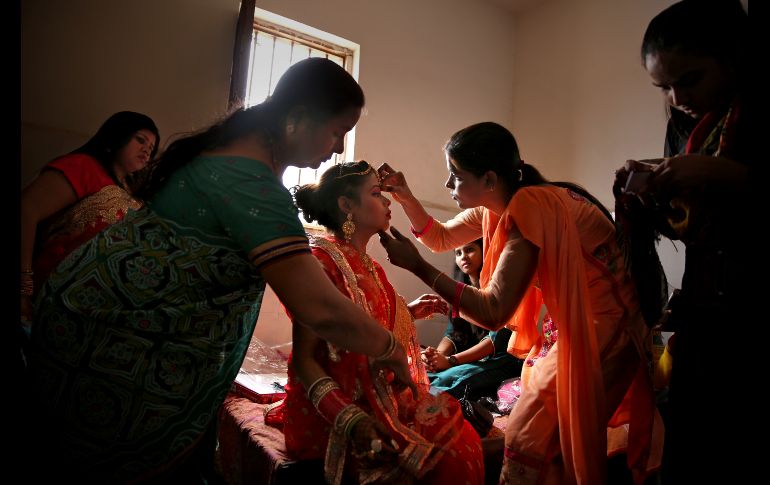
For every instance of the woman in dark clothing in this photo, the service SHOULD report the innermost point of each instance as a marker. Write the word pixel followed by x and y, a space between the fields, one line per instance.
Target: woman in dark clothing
pixel 696 53
pixel 468 355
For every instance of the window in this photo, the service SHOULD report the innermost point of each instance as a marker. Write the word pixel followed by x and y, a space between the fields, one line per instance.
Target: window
pixel 276 44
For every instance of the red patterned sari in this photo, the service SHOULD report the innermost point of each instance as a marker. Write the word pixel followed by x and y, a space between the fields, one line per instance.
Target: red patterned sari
pixel 100 203
pixel 438 445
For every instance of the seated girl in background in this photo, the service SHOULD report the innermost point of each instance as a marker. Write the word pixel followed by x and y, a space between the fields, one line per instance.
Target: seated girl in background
pixel 468 355
pixel 338 406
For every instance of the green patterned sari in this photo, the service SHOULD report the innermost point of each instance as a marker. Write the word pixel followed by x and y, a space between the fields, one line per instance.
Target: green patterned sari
pixel 140 332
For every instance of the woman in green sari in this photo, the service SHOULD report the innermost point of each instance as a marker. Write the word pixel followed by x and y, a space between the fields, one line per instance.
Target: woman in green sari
pixel 139 333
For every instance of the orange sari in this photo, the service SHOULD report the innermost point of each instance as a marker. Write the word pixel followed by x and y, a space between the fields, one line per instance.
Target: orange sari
pixel 577 399
pixel 438 445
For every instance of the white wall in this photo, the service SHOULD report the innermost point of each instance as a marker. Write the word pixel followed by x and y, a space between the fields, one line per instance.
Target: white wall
pixel 428 69
pixel 83 60
pixel 564 75
pixel 583 104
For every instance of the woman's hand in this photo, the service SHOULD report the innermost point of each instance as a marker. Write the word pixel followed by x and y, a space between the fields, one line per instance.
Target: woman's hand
pixel 438 362
pixel 686 174
pixel 372 444
pixel 399 365
pixel 401 251
pixel 426 357
pixel 395 183
pixel 427 305
pixel 621 175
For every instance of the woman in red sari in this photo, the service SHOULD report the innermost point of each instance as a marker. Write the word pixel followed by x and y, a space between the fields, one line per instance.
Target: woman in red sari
pixel 79 194
pixel 338 406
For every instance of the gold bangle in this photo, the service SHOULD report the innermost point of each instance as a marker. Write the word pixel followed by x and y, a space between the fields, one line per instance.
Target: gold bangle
pixel 390 349
pixel 347 418
pixel 322 390
pixel 317 381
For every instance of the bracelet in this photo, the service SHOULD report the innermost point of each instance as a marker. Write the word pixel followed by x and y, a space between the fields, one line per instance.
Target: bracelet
pixel 452 360
pixel 425 229
pixel 390 349
pixel 321 390
pixel 433 284
pixel 27 283
pixel 347 418
pixel 459 287
pixel 334 406
pixel 311 386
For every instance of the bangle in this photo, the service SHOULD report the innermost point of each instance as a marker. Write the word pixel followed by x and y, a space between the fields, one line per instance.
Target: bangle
pixel 459 287
pixel 331 403
pixel 390 349
pixel 433 284
pixel 321 390
pixel 347 419
pixel 317 381
pixel 425 229
pixel 27 283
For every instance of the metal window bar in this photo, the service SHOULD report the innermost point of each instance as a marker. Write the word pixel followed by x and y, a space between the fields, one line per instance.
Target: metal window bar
pixel 281 41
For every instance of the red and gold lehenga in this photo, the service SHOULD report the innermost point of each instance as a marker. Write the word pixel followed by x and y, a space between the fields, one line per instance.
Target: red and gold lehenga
pixel 437 444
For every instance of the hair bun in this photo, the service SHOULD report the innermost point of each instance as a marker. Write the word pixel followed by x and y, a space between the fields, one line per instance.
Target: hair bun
pixel 305 200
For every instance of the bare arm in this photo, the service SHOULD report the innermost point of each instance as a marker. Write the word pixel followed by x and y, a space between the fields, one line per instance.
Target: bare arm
pixel 314 301
pixel 303 287
pixel 49 193
pixel 446 347
pixel 482 349
pixel 438 236
pixel 303 346
pixel 489 307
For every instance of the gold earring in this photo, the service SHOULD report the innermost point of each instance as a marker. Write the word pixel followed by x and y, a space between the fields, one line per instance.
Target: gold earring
pixel 348 228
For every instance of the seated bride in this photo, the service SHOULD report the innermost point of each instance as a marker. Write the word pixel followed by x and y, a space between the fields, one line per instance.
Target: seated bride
pixel 338 405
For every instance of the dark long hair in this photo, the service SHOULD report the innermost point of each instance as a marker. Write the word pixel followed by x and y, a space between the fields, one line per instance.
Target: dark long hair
pixel 489 146
pixel 113 135
pixel 712 28
pixel 318 201
pixel 319 86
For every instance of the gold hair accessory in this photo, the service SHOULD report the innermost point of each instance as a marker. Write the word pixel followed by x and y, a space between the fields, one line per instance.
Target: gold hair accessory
pixel 363 172
pixel 348 228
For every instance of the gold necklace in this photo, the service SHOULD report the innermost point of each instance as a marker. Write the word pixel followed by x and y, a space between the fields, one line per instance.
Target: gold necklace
pixel 369 265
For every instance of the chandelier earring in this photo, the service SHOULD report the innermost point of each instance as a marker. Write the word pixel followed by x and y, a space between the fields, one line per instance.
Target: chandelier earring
pixel 348 228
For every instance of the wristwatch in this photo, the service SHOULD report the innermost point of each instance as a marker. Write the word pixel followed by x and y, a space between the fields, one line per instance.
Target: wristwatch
pixel 452 360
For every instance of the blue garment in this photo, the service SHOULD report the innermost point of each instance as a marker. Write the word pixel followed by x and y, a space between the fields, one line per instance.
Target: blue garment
pixel 483 376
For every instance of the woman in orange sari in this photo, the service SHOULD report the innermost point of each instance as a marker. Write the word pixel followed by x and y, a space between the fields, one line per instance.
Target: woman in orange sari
pixel 552 243
pixel 337 405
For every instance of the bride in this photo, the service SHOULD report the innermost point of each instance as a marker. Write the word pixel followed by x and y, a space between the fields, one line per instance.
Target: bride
pixel 340 407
